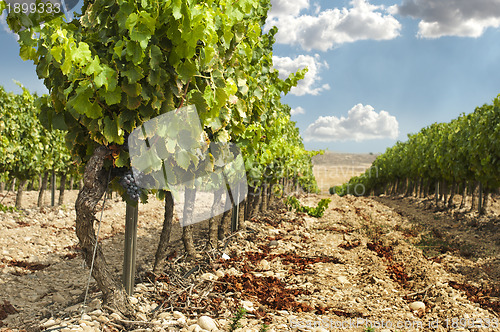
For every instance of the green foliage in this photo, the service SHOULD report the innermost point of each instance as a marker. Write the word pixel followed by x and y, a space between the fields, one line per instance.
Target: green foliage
pixel 264 328
pixel 27 148
pixel 4 208
pixel 293 203
pixel 465 149
pixel 235 324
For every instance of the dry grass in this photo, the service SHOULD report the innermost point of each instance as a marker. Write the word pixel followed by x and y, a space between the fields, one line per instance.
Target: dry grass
pixel 334 169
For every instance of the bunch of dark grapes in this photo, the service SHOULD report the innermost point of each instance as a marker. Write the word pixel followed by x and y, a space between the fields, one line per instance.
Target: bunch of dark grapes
pixel 128 182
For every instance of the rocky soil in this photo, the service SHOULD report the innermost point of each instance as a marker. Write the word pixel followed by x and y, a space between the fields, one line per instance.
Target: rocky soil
pixel 390 264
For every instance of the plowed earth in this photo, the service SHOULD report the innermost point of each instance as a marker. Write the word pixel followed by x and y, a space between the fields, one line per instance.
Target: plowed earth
pixel 362 264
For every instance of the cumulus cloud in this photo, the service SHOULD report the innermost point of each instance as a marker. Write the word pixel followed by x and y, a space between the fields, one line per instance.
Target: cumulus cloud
pixel 332 27
pixel 362 123
pixel 464 18
pixel 5 26
pixel 287 7
pixel 309 85
pixel 297 110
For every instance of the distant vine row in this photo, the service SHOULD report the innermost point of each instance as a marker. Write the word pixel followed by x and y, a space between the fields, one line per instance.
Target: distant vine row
pixel 28 151
pixel 443 159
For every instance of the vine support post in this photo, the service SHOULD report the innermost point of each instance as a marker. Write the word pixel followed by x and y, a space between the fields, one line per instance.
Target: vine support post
pixel 53 189
pixel 236 212
pixel 480 198
pixel 436 196
pixel 131 216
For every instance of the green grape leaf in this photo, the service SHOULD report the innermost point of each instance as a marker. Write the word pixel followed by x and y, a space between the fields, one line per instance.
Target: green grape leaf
pixel 112 131
pixel 95 111
pixel 134 74
pixel 111 97
pixel 156 56
pixel 132 90
pixel 27 53
pixel 123 159
pixel 186 70
pixel 197 98
pixel 183 159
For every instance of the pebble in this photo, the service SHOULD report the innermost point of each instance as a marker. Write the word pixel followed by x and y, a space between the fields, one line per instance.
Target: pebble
pixel 417 305
pixel 94 304
pixel 114 315
pixel 73 308
pixel 97 312
pixel 86 317
pixel 273 243
pixel 194 328
pixel 102 319
pixel 207 323
pixel 248 305
pixel 208 276
pixel 343 280
pixel 268 274
pixel 133 300
pixel 165 315
pixel 142 316
pixel 264 265
pixel 233 272
pixel 178 314
pixel 58 298
pixel 49 323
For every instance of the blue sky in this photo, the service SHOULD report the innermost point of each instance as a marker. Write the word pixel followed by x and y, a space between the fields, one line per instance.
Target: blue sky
pixel 378 69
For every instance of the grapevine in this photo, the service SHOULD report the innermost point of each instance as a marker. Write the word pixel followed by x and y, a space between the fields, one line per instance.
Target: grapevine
pixel 443 158
pixel 122 63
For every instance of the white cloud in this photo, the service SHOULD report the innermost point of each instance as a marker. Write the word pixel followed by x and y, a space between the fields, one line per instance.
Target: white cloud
pixel 333 27
pixel 464 18
pixel 362 123
pixel 287 7
pixel 297 110
pixel 308 85
pixel 5 26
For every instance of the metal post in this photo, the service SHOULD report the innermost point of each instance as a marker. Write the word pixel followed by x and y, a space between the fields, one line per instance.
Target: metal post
pixel 131 216
pixel 53 200
pixel 236 211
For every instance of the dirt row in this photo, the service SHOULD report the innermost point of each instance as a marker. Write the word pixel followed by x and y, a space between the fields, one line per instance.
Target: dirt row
pixel 390 264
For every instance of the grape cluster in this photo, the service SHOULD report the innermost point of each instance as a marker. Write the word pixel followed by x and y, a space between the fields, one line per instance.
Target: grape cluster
pixel 128 182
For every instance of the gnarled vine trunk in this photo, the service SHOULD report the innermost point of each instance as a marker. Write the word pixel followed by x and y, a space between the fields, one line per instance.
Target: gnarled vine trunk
pixel 20 190
pixel 452 195
pixel 474 204
pixel 161 251
pixel 225 225
pixel 95 180
pixel 264 198
pixel 213 224
pixel 61 189
pixel 187 231
pixel 43 187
